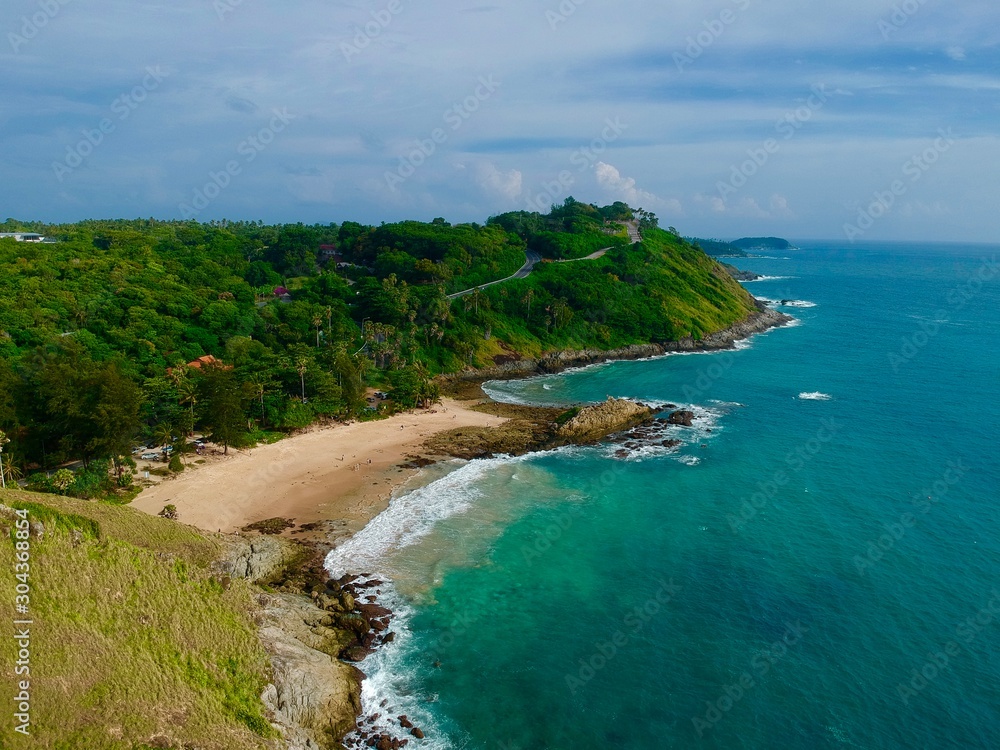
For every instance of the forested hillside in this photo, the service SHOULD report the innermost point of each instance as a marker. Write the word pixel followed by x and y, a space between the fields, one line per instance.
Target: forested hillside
pixel 101 332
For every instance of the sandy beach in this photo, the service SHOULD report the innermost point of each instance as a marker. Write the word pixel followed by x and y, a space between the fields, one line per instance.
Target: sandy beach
pixel 343 473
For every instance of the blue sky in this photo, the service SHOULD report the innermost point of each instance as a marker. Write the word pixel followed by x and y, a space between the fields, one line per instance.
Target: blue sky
pixel 725 118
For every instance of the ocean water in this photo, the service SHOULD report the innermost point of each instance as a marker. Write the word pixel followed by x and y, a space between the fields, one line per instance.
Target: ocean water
pixel 816 566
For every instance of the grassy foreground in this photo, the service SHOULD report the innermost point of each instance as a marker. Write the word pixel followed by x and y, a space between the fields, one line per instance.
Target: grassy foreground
pixel 133 644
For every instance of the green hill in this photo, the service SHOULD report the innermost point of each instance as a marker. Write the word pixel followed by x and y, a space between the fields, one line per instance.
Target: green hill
pixel 296 321
pixel 133 643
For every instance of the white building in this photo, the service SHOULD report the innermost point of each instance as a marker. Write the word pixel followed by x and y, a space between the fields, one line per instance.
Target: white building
pixel 23 236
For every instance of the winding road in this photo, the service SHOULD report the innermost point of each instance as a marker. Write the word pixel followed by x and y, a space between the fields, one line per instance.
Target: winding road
pixel 531 258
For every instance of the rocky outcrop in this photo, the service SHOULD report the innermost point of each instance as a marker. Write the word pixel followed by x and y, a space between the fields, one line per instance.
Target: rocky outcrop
pixel 314 698
pixel 592 423
pixel 684 418
pixel 739 274
pixel 255 558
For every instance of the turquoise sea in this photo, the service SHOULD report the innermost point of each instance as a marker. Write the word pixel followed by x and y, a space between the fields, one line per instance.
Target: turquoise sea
pixel 817 566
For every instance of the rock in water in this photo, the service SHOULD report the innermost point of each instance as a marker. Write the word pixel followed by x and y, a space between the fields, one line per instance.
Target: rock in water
pixel 682 417
pixel 595 422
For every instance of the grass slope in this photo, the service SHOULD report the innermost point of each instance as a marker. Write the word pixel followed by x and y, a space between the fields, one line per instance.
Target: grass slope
pixel 134 644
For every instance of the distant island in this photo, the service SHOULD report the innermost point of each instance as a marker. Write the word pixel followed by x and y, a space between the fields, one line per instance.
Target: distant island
pixel 717 248
pixel 763 243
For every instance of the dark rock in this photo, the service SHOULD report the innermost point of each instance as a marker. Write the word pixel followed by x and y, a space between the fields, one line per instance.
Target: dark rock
pixel 355 623
pixel 682 417
pixel 389 638
pixel 670 443
pixel 405 723
pixel 379 625
pixel 355 653
pixel 416 732
pixel 373 611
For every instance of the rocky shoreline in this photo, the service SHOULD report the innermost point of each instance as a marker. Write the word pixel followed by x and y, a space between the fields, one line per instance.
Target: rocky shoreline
pixel 763 319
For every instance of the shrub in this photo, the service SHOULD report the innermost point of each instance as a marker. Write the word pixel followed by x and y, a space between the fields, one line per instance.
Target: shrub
pixel 175 464
pixel 169 511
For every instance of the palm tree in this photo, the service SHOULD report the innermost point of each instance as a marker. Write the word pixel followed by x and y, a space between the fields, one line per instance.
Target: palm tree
pixel 301 365
pixel 530 295
pixel 187 391
pixel 317 321
pixel 258 385
pixel 164 435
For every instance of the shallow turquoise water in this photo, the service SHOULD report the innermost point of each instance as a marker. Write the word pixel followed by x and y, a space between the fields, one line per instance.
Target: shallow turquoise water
pixel 828 527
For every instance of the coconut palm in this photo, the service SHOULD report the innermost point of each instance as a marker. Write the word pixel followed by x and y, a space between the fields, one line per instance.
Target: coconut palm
pixel 187 392
pixel 301 365
pixel 317 321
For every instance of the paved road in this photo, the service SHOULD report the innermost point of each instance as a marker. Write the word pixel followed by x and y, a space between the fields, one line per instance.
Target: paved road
pixel 530 259
pixel 592 256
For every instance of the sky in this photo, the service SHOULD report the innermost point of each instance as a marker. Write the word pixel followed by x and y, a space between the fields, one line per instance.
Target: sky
pixel 857 120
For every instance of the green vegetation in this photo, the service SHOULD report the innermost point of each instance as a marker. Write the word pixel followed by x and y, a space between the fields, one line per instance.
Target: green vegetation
pixel 763 243
pixel 141 332
pixel 134 644
pixel 718 247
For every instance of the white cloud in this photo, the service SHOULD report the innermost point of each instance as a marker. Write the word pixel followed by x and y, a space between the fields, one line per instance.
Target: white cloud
pixel 624 189
pixel 956 53
pixel 506 185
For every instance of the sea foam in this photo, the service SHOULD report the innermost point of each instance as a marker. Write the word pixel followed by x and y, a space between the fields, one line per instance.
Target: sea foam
pixel 412 516
pixel 815 396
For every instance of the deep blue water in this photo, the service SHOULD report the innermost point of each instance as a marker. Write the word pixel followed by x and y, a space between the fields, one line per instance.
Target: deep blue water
pixel 829 526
